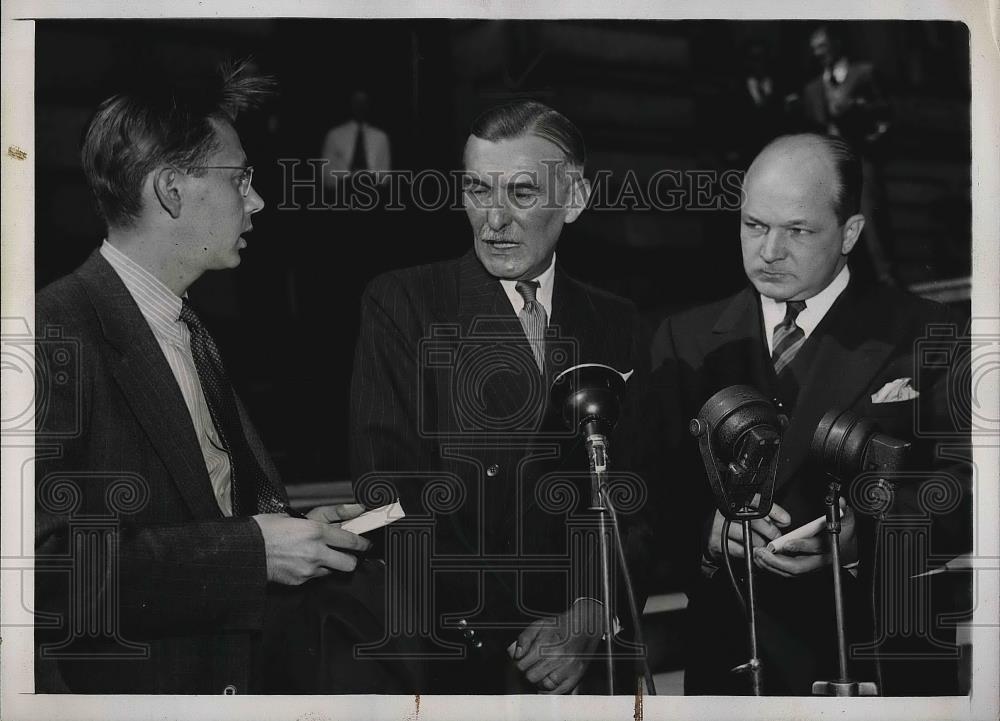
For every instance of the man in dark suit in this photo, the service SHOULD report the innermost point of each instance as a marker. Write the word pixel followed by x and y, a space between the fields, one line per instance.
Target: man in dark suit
pixel 168 559
pixel 847 100
pixel 450 388
pixel 808 335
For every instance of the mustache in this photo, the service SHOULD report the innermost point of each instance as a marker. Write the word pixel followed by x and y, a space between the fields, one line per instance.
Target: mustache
pixel 489 236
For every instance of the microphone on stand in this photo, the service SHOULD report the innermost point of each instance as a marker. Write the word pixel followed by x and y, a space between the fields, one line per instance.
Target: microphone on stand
pixel 589 398
pixel 739 436
pixel 843 446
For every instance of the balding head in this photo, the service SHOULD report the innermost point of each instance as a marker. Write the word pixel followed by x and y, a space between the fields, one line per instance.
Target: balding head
pixel 826 158
pixel 794 231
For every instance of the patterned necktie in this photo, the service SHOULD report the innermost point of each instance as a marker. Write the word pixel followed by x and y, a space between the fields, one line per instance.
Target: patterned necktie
pixel 359 160
pixel 533 320
pixel 788 337
pixel 252 491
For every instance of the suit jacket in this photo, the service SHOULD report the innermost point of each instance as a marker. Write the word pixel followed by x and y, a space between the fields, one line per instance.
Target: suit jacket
pixel 867 105
pixel 445 390
pixel 868 338
pixel 174 604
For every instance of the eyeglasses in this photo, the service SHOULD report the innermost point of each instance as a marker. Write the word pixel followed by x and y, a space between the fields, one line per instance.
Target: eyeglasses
pixel 246 177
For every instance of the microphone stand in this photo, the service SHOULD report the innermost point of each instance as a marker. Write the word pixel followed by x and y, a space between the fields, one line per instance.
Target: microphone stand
pixel 597 453
pixel 844 685
pixel 589 395
pixel 753 666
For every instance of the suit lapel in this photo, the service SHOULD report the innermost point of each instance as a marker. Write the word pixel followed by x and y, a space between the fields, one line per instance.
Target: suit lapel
pixel 505 367
pixel 572 324
pixel 148 384
pixel 740 357
pixel 853 344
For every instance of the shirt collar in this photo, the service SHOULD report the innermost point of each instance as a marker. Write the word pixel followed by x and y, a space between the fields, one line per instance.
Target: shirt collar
pixel 838 72
pixel 816 307
pixel 543 295
pixel 159 305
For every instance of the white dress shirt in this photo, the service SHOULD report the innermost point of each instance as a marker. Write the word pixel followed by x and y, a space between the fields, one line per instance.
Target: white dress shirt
pixel 543 294
pixel 838 72
pixel 162 310
pixel 808 319
pixel 338 147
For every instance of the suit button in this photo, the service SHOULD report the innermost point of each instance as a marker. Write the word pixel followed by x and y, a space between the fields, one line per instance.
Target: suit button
pixel 229 690
pixel 493 470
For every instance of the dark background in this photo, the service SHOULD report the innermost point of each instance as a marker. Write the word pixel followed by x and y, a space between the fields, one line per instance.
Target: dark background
pixel 646 94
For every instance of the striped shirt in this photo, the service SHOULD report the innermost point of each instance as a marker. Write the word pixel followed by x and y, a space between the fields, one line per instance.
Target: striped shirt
pixel 162 310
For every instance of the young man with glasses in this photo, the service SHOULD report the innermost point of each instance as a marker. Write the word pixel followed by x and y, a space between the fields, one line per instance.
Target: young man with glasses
pixel 211 584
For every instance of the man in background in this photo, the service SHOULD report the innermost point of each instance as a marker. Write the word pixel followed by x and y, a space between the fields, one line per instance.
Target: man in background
pixel 847 100
pixel 356 145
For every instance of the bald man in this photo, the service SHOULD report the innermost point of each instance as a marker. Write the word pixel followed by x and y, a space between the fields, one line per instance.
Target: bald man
pixel 808 335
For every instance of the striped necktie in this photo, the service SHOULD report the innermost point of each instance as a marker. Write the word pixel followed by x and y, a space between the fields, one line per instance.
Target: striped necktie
pixel 788 337
pixel 252 491
pixel 533 320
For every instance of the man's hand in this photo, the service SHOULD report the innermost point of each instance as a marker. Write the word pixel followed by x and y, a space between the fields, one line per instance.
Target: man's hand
pixel 804 555
pixel 298 549
pixel 552 652
pixel 762 529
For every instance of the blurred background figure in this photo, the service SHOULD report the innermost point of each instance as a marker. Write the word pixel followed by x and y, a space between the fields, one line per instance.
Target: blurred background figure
pixel 760 105
pixel 847 100
pixel 357 144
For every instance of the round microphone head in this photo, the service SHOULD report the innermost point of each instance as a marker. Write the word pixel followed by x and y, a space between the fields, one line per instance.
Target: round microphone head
pixel 839 442
pixel 734 410
pixel 588 392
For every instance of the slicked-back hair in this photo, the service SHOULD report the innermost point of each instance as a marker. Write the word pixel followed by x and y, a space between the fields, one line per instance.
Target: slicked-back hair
pixel 847 163
pixel 133 133
pixel 530 117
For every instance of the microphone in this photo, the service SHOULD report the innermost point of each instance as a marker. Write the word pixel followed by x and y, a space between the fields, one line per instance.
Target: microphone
pixel 589 397
pixel 739 436
pixel 843 445
pixel 846 444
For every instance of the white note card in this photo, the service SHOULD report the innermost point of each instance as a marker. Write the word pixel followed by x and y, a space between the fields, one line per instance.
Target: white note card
pixel 375 518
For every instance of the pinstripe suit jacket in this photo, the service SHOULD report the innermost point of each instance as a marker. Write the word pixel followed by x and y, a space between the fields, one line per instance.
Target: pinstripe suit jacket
pixel 446 393
pixel 174 602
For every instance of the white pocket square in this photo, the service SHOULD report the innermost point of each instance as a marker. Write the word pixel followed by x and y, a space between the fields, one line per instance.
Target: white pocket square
pixel 900 389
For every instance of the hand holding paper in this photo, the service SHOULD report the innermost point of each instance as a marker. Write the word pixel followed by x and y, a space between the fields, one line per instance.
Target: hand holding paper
pixel 807 553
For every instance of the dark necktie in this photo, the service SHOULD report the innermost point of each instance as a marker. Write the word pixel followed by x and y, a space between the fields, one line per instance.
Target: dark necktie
pixel 252 491
pixel 533 320
pixel 359 161
pixel 788 337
